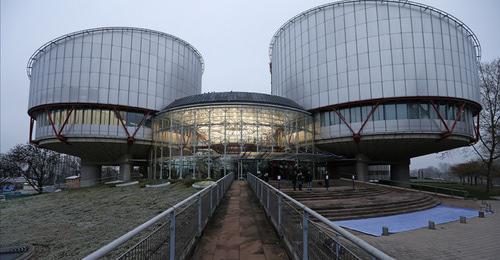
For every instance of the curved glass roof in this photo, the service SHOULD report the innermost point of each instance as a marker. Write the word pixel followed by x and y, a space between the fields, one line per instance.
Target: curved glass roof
pixel 232 97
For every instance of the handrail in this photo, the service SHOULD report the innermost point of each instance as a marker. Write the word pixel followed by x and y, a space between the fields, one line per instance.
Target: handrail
pixel 101 252
pixel 352 238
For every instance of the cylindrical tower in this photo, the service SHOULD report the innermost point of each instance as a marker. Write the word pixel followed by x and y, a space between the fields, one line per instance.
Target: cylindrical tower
pixel 386 80
pixel 93 92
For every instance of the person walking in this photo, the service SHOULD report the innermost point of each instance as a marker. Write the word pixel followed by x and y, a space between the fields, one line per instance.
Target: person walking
pixel 300 180
pixel 327 180
pixel 308 178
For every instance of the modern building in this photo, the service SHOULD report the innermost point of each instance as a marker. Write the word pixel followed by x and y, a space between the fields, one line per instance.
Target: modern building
pixel 385 80
pixel 215 132
pixel 93 93
pixel 376 82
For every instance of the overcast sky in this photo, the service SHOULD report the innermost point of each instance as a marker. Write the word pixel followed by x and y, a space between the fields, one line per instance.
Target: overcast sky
pixel 232 36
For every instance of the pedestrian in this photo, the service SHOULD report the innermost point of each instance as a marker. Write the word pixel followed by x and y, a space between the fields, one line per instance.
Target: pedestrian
pixel 327 180
pixel 293 178
pixel 300 180
pixel 308 178
pixel 266 177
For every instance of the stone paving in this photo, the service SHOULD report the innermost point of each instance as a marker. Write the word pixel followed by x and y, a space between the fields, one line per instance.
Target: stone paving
pixel 239 230
pixel 478 239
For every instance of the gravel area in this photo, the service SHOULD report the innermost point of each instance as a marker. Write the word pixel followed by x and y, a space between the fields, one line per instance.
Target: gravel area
pixel 71 224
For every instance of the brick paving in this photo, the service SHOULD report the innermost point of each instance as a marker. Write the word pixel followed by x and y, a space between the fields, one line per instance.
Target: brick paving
pixel 239 230
pixel 478 239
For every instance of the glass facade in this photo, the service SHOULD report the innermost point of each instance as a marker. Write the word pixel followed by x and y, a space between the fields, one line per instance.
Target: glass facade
pixel 92 121
pixel 396 112
pixel 361 50
pixel 121 66
pixel 413 117
pixel 91 117
pixel 200 139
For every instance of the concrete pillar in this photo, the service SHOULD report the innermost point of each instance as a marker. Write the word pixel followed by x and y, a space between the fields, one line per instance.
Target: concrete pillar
pixel 361 168
pixel 400 171
pixel 125 168
pixel 90 174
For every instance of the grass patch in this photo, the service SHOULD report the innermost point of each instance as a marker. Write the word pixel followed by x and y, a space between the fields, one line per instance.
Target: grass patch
pixel 478 191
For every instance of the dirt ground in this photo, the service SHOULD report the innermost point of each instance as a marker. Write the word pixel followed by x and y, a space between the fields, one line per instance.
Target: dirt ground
pixel 71 224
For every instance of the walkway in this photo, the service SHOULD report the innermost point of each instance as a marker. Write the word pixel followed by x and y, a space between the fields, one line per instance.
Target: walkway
pixel 478 239
pixel 239 230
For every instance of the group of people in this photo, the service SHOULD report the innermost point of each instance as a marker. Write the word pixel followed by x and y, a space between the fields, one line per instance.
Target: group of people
pixel 299 179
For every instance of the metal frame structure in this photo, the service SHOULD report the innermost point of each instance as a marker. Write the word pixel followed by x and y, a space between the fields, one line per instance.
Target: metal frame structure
pixel 305 233
pixel 441 13
pixel 171 234
pixel 231 131
pixel 375 103
pixel 58 131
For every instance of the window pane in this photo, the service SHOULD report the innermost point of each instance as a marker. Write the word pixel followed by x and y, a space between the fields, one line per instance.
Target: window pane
pixel 390 112
pixel 401 111
pixel 96 114
pixel 413 111
pixel 424 111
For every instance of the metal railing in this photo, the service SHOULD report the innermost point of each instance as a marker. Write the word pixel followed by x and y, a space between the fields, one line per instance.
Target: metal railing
pixel 307 234
pixel 172 233
pixel 427 187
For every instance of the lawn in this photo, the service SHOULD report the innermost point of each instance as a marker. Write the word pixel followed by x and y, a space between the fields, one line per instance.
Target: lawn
pixel 478 191
pixel 72 224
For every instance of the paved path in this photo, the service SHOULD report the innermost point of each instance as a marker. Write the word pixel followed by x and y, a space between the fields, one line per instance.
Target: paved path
pixel 478 239
pixel 239 230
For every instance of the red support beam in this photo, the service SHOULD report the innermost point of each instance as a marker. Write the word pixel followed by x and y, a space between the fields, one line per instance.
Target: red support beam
pixel 120 118
pixel 440 117
pixel 140 124
pixel 52 123
pixel 131 137
pixel 65 122
pixel 368 118
pixel 343 120
pixel 357 135
pixel 457 117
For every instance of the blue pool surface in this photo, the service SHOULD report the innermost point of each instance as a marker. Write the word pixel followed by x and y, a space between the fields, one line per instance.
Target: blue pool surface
pixel 407 221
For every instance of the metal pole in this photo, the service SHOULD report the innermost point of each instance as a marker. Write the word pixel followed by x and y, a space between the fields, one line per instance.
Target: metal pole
pixel 267 203
pixel 211 206
pixel 279 214
pixel 305 223
pixel 199 215
pixel 172 235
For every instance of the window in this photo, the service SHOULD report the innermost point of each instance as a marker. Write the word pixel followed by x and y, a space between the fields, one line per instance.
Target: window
pixel 413 111
pixel 334 118
pixel 390 112
pixel 355 114
pixel 378 114
pixel 424 111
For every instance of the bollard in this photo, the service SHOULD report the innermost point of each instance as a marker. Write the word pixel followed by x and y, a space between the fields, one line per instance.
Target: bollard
pixel 463 220
pixel 432 225
pixel 481 214
pixel 385 231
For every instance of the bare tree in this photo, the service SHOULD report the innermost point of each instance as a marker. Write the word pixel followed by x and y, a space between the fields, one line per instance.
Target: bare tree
pixel 488 147
pixel 36 164
pixel 470 171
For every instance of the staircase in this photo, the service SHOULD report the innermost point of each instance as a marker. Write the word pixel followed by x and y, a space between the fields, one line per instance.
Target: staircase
pixel 346 203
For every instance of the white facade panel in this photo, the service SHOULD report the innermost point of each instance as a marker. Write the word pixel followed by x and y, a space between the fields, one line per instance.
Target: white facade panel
pixel 372 49
pixel 117 66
